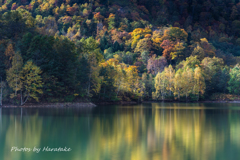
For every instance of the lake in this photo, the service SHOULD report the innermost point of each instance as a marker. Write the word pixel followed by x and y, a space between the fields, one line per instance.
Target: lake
pixel 153 131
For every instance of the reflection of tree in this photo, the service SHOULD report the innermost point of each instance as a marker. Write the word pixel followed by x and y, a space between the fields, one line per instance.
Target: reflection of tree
pixel 187 134
pixel 0 121
pixel 118 135
pixel 155 133
pixel 163 131
pixel 25 133
pixel 234 128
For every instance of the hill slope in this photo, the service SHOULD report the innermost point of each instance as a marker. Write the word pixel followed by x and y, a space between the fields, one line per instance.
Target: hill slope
pixel 108 50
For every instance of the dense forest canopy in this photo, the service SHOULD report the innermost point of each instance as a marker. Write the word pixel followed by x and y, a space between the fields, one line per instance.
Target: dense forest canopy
pixel 109 50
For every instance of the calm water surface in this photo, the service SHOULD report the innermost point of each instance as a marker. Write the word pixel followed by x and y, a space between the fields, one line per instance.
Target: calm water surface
pixel 154 131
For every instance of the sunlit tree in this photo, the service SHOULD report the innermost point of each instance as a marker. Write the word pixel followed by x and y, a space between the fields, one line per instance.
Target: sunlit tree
pixel 31 82
pixel 199 82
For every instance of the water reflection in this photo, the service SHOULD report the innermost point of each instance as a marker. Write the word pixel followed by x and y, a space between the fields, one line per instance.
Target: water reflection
pixel 145 132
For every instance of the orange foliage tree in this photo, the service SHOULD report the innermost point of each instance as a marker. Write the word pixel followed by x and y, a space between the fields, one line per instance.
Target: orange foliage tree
pixel 168 48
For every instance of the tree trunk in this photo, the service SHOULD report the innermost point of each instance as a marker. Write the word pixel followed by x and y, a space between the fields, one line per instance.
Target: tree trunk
pixel 16 79
pixel 170 83
pixel 163 92
pixel 118 88
pixel 104 92
pixel 186 96
pixel 89 84
pixel 16 87
pixel 25 99
pixel 21 98
pixel 178 95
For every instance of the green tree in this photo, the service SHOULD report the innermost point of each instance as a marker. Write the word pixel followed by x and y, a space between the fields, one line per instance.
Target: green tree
pixel 199 82
pixel 9 53
pixel 89 48
pixel 81 76
pixel 104 44
pixel 107 91
pixel 145 56
pixel 234 82
pixel 13 74
pixel 169 73
pixel 144 44
pixel 210 67
pixel 223 80
pixel 188 82
pixel 65 64
pixel 111 21
pixel 31 82
pixel 147 82
pixel 178 51
pixel 160 86
pixel 191 62
pixel 2 62
pixel 176 33
pixel 178 82
pixel 220 80
pixel 14 24
pixel 199 52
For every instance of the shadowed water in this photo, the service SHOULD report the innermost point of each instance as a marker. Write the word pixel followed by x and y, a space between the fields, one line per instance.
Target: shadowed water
pixel 154 131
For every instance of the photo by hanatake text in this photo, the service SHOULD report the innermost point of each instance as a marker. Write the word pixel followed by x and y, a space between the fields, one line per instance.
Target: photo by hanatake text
pixel 37 149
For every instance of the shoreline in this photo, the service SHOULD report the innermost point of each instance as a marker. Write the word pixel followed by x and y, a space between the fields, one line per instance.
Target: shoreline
pixel 95 104
pixel 207 101
pixel 166 101
pixel 53 105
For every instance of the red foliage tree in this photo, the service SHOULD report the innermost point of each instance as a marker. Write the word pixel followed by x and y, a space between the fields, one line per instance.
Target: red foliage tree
pixel 168 47
pixel 14 6
pixel 71 10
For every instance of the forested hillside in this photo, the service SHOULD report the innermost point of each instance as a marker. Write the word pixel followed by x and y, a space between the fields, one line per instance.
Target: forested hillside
pixel 111 50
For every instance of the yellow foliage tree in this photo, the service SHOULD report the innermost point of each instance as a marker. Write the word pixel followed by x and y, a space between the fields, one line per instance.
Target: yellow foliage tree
pixel 160 86
pixel 187 82
pixel 169 74
pixel 199 82
pixel 31 82
pixel 177 51
pixel 178 81
pixel 126 79
pixel 138 34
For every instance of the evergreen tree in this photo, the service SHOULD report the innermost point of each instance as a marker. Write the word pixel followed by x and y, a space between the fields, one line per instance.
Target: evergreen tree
pixel 9 53
pixel 223 80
